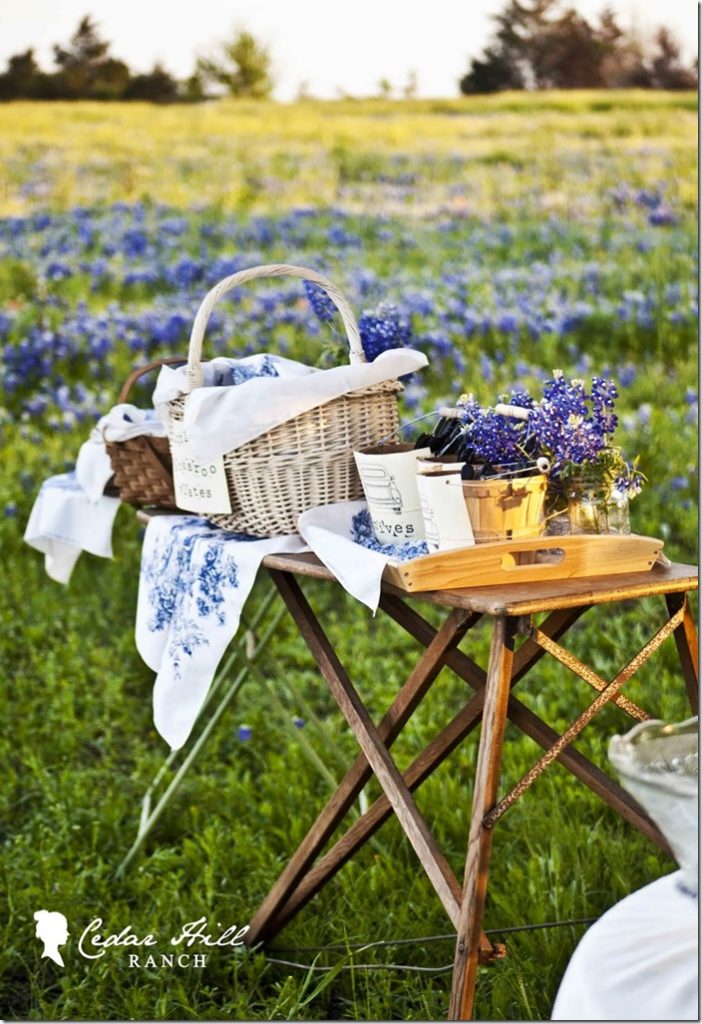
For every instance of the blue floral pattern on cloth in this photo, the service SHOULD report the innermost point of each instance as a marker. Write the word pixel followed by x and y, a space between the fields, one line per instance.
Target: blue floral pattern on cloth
pixel 183 594
pixel 235 371
pixel 362 533
pixel 265 368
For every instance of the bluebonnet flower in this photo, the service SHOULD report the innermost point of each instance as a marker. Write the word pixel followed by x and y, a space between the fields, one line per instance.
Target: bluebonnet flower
pixel 134 243
pixel 298 722
pixel 362 533
pixel 383 329
pixel 661 217
pixel 320 302
pixel 648 198
pixel 486 369
pixel 627 375
pixel 565 428
pixel 414 394
pixel 244 733
pixel 57 271
pixel 507 322
pixel 495 439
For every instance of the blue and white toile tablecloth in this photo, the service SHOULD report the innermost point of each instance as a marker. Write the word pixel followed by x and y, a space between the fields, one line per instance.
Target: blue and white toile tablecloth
pixel 195 579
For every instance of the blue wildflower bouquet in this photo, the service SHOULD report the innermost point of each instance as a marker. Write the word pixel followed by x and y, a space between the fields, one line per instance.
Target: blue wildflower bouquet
pixel 566 433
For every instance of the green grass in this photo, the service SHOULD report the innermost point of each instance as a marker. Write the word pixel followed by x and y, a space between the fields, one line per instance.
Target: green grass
pixel 264 156
pixel 78 756
pixel 505 185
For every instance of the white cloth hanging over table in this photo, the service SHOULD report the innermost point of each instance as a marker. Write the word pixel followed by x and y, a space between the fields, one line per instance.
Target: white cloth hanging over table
pixel 64 521
pixel 193 583
pixel 638 962
pixel 71 512
pixel 341 536
pixel 195 579
pixel 220 419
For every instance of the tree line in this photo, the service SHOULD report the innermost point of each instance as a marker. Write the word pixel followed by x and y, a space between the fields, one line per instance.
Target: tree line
pixel 540 44
pixel 84 69
pixel 536 44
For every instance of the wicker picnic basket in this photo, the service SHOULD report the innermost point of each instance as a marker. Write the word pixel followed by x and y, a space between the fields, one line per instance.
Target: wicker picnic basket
pixel 306 461
pixel 143 470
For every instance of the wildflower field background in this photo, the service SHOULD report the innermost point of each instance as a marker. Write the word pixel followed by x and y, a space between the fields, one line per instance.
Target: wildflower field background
pixel 514 235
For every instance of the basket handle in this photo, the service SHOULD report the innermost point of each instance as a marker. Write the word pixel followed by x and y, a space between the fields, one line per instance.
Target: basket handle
pixel 141 370
pixel 194 370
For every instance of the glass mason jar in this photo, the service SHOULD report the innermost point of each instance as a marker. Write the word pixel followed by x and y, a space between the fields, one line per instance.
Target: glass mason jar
pixel 594 506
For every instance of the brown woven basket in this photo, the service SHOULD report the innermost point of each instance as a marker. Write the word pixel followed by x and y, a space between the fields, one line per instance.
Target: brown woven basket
pixel 306 461
pixel 143 471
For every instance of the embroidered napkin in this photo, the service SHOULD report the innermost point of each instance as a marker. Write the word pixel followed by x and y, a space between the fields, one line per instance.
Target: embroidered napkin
pixel 193 584
pixel 341 536
pixel 221 419
pixel 64 521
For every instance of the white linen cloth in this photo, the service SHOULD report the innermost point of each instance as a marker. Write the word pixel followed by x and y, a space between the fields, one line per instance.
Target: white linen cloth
pixel 71 513
pixel 638 962
pixel 341 536
pixel 64 521
pixel 193 583
pixel 195 579
pixel 220 419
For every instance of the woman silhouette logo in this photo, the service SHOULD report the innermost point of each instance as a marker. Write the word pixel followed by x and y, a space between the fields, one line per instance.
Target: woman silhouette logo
pixel 52 929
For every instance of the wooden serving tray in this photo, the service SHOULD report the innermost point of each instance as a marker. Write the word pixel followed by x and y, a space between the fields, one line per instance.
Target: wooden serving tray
pixel 526 561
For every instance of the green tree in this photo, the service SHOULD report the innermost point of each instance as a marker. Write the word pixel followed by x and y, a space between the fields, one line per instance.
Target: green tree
pixel 241 66
pixel 156 86
pixel 493 72
pixel 573 55
pixel 542 44
pixel 85 69
pixel 667 69
pixel 513 59
pixel 22 77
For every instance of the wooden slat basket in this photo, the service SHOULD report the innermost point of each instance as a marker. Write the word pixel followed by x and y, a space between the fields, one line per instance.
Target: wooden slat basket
pixel 306 461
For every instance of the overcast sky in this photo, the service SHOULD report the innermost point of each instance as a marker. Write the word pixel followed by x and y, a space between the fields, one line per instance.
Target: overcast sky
pixel 330 44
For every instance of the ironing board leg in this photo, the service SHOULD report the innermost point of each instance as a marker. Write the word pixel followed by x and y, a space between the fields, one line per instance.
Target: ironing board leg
pixel 497 687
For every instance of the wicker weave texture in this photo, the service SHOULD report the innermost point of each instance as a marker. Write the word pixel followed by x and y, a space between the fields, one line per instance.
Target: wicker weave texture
pixel 308 460
pixel 304 462
pixel 143 471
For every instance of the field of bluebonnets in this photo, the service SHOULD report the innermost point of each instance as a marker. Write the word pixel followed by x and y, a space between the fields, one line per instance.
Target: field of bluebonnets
pixel 513 235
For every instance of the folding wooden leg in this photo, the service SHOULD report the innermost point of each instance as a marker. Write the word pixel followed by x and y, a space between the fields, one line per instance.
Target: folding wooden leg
pixel 528 655
pixel 266 920
pixel 445 742
pixel 432 756
pixel 380 810
pixel 686 642
pixel 375 750
pixel 497 686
